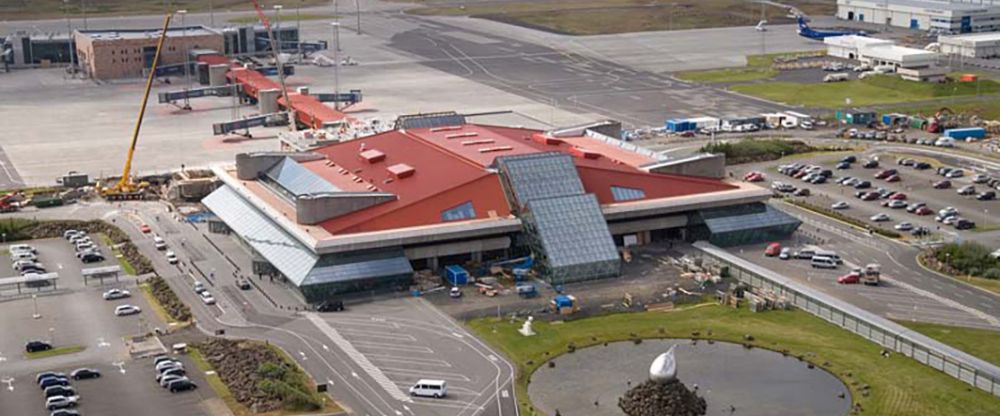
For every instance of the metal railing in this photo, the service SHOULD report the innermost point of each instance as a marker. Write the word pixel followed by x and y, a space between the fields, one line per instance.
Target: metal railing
pixel 877 329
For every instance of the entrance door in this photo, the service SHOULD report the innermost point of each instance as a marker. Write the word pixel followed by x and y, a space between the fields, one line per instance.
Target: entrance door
pixel 850 15
pixel 914 24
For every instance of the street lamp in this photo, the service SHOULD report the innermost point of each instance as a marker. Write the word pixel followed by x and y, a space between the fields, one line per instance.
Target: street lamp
pixel 277 21
pixel 34 301
pixel 69 36
pixel 336 63
pixel 187 74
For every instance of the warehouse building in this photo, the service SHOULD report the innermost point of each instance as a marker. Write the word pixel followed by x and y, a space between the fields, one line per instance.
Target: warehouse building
pixel 437 191
pixel 978 45
pixel 943 16
pixel 879 52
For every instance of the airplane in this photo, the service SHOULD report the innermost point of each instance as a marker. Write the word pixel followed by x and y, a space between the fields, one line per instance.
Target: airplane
pixel 808 32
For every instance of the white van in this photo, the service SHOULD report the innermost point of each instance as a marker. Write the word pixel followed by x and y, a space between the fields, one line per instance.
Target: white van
pixel 945 141
pixel 820 262
pixel 430 388
pixel 830 254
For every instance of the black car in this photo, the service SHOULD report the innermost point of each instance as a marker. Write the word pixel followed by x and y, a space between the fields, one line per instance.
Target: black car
pixel 922 166
pixel 863 185
pixel 53 391
pixel 943 170
pixel 65 412
pixel 46 374
pixel 826 173
pixel 92 258
pixel 181 385
pixel 842 166
pixel 36 346
pixel 818 180
pixel 331 306
pixel 53 381
pixel 83 373
pixel 870 164
pixel 849 159
pixel 964 224
pixel 987 196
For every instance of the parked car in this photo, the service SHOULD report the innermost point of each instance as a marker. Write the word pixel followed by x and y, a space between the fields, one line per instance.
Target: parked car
pixel 893 178
pixel 64 412
pixel 68 234
pixel 91 257
pixel 53 381
pixel 880 217
pixel 885 173
pixel 176 371
pixel 955 173
pixel 144 228
pixel 163 366
pixel 47 374
pixel 964 224
pixel 922 166
pixel 124 310
pixel 171 257
pixel 870 164
pixel 840 205
pixel 22 265
pixel 920 231
pixel 898 196
pixel 772 249
pixel 167 379
pixel 803 191
pixel 52 391
pixel 869 196
pixel 849 159
pixel 181 385
pixel 987 196
pixel 116 294
pixel 942 184
pixel 967 190
pixel 36 346
pixel 199 287
pixel 863 185
pixel 21 247
pixel 923 211
pixel 61 402
pixel 85 373
pixel 786 253
pixel 159 243
pixel 894 204
pixel 842 166
pixel 903 226
pixel 330 306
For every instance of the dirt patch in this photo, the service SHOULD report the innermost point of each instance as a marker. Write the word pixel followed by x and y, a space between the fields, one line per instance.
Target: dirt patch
pixel 168 299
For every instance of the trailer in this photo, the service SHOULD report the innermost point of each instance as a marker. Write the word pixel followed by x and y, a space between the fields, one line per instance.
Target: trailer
pixel 966 133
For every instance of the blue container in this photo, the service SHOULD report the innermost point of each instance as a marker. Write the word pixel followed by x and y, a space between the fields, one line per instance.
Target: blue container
pixel 456 275
pixel 965 133
pixel 563 301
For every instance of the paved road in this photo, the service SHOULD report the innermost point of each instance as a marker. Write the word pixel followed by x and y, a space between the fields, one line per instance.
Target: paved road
pixel 9 178
pixel 369 355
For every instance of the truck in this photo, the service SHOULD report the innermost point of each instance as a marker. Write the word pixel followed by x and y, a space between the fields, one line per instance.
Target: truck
pixel 966 133
pixel 840 76
pixel 870 274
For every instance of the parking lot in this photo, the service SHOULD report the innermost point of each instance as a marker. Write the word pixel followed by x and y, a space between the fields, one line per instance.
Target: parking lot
pixel 77 316
pixel 126 389
pixel 917 186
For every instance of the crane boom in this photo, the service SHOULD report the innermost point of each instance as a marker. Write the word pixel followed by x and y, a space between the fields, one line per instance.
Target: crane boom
pixel 125 184
pixel 277 61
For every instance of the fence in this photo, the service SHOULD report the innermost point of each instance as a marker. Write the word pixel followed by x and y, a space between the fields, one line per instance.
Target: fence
pixel 872 327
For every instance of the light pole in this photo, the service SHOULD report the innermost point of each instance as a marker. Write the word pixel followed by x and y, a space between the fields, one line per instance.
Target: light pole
pixel 83 10
pixel 298 28
pixel 336 63
pixel 187 74
pixel 69 36
pixel 357 6
pixel 34 302
pixel 211 14
pixel 277 21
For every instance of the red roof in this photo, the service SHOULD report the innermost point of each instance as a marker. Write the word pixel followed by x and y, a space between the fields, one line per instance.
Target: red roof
pixel 213 59
pixel 431 173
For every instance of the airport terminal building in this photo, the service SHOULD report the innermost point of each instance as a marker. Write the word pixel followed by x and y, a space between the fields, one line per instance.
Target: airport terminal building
pixel 364 214
pixel 943 16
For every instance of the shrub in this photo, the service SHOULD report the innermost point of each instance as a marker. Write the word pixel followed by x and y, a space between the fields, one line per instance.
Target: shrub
pixel 751 150
pixel 968 258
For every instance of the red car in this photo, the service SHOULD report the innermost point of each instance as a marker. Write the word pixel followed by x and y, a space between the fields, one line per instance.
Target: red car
pixel 753 177
pixel 145 228
pixel 893 178
pixel 942 185
pixel 885 173
pixel 849 279
pixel 898 196
pixel 923 211
pixel 871 196
pixel 772 249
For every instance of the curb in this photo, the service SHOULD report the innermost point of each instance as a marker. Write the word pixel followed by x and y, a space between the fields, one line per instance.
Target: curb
pixel 954 278
pixel 894 240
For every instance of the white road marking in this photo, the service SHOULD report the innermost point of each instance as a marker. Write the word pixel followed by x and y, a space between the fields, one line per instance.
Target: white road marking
pixel 409 360
pixel 424 373
pixel 393 347
pixel 374 372
pixel 375 334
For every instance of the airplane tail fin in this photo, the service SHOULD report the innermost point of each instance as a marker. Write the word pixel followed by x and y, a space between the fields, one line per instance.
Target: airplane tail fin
pixel 802 23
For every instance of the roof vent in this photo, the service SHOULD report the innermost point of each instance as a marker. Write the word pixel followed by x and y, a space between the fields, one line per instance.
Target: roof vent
pixel 543 139
pixel 494 149
pixel 481 141
pixel 461 135
pixel 446 128
pixel 401 170
pixel 584 153
pixel 373 156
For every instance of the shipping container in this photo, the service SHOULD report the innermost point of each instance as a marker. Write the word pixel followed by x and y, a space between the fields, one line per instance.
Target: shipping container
pixel 856 117
pixel 965 133
pixel 917 123
pixel 456 275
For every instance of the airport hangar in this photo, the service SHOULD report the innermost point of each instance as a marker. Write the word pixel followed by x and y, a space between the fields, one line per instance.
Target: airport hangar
pixel 361 215
pixel 943 16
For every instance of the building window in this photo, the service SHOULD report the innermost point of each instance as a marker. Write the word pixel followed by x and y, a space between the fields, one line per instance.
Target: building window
pixel 621 193
pixel 463 211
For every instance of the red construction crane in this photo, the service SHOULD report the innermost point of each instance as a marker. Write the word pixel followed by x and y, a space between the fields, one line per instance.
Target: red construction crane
pixel 277 60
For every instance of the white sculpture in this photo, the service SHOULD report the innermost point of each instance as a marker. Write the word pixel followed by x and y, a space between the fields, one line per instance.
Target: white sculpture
pixel 664 367
pixel 526 328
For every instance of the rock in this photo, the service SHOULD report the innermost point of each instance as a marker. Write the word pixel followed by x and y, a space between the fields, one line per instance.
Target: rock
pixel 655 399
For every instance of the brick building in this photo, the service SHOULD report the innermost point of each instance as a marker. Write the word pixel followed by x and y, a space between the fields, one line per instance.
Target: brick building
pixel 114 54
